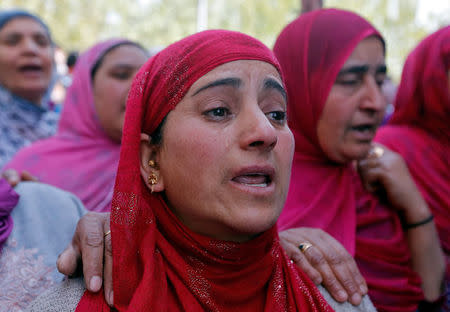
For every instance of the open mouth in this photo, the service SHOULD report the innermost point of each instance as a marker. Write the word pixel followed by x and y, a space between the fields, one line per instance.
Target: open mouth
pixel 30 69
pixel 364 128
pixel 254 179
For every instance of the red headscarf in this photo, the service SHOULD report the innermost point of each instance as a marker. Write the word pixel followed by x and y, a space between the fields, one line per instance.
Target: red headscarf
pixel 420 128
pixel 324 194
pixel 161 265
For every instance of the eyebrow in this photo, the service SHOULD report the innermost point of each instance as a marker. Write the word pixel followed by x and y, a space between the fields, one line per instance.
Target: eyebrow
pixel 271 83
pixel 362 69
pixel 124 66
pixel 232 82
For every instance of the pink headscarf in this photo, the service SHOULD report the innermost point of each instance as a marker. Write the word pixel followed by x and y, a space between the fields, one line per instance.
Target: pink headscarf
pixel 311 54
pixel 324 194
pixel 81 158
pixel 420 126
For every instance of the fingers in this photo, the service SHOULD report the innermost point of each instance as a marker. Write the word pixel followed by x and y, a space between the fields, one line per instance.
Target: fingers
pixel 370 171
pixel 328 259
pixel 12 176
pixel 345 275
pixel 107 270
pixel 302 262
pixel 330 280
pixel 90 240
pixel 26 176
pixel 68 261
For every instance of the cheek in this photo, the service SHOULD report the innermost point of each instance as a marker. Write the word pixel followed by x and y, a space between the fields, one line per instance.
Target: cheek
pixel 285 154
pixel 6 60
pixel 192 154
pixel 47 60
pixel 197 148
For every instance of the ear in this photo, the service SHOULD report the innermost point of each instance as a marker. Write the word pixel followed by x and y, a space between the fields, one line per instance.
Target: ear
pixel 150 152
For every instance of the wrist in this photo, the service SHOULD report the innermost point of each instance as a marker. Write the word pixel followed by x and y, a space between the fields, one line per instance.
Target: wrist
pixel 408 226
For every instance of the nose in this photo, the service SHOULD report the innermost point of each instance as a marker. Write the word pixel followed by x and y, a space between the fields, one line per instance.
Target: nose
pixel 373 101
pixel 29 46
pixel 257 132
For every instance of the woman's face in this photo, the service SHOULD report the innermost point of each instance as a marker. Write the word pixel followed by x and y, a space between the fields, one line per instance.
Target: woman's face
pixel 226 153
pixel 111 84
pixel 355 106
pixel 25 58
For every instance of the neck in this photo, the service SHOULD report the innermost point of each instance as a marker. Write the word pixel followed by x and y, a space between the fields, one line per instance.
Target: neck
pixel 34 98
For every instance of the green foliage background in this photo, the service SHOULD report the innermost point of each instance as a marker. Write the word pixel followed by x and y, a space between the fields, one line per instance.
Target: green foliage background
pixel 77 24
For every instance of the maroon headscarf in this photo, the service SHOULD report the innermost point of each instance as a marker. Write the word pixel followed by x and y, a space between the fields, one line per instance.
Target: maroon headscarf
pixel 158 263
pixel 324 194
pixel 420 126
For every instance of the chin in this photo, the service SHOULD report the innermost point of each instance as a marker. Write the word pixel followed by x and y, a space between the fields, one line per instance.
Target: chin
pixel 358 152
pixel 254 224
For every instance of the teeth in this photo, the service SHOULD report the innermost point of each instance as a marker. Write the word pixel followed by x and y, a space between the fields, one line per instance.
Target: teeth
pixel 256 185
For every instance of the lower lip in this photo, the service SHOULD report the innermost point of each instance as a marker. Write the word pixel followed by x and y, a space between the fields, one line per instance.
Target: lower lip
pixel 366 135
pixel 255 190
pixel 31 73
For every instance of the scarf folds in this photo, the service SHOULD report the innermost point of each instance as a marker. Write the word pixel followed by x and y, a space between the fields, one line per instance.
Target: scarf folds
pixel 80 158
pixel 8 200
pixel 324 194
pixel 160 264
pixel 423 97
pixel 419 129
pixel 383 256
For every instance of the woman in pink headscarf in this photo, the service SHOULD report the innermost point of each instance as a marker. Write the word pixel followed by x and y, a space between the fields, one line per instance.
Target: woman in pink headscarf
pixel 333 62
pixel 82 157
pixel 420 127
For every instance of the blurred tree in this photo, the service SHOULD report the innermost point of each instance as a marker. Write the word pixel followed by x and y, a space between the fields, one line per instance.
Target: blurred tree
pixel 397 22
pixel 77 24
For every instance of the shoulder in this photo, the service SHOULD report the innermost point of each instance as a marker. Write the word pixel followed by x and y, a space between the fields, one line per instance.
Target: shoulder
pixel 30 191
pixel 62 298
pixel 365 306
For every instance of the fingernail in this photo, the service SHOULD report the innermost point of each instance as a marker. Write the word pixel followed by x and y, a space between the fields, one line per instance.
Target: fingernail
pixel 342 295
pixel 95 284
pixel 356 299
pixel 111 298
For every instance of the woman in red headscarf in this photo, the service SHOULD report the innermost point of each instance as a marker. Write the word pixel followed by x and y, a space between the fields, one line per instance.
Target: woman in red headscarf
pixel 420 127
pixel 333 65
pixel 203 175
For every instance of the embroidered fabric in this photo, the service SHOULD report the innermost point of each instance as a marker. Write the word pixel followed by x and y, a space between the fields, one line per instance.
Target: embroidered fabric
pixel 21 123
pixel 24 277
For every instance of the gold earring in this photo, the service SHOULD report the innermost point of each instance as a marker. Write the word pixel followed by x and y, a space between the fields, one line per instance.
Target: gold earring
pixel 151 163
pixel 152 179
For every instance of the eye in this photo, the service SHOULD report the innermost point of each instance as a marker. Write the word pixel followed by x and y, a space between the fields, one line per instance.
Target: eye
pixel 121 75
pixel 42 41
pixel 380 83
pixel 277 116
pixel 12 40
pixel 380 79
pixel 350 82
pixel 218 113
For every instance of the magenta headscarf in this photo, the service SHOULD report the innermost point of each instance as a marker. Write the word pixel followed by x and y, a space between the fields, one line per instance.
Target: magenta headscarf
pixel 420 127
pixel 327 195
pixel 80 158
pixel 8 200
